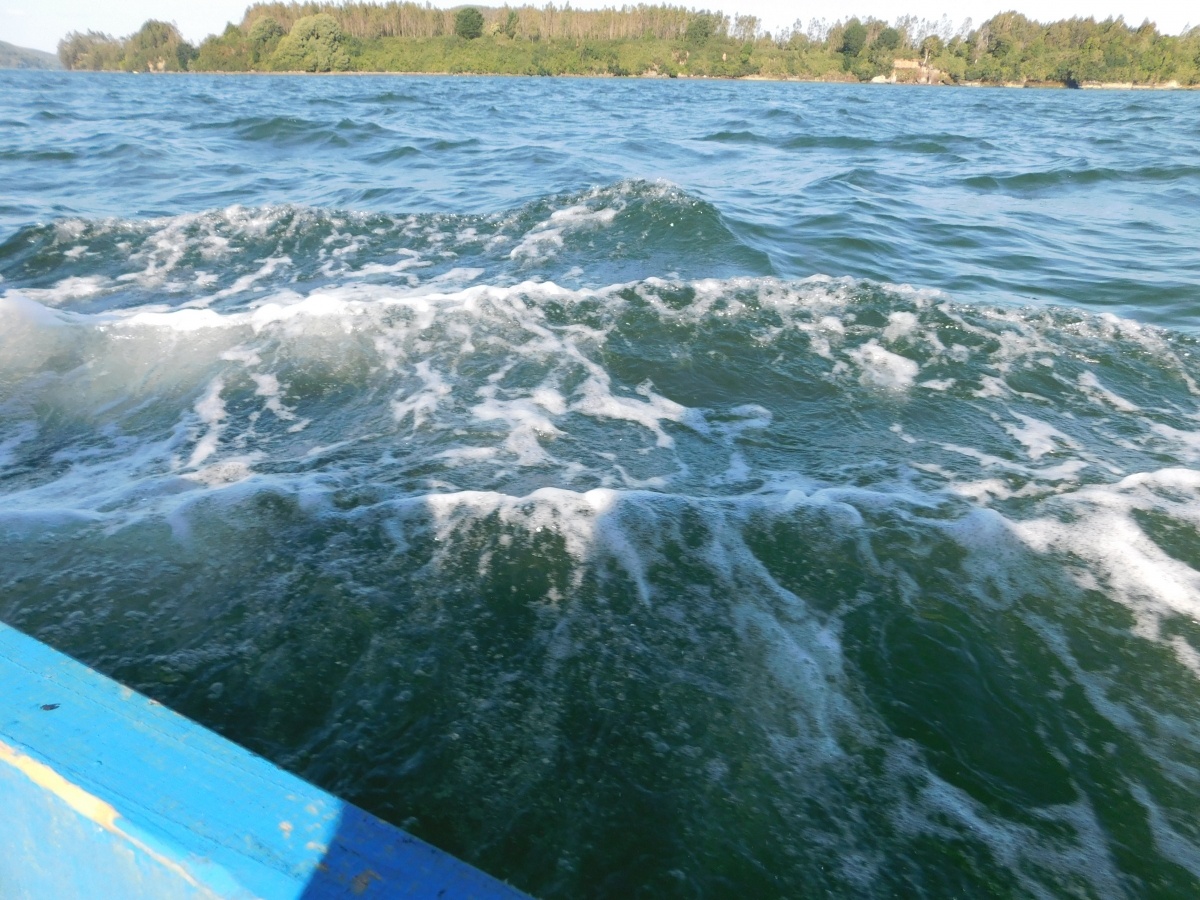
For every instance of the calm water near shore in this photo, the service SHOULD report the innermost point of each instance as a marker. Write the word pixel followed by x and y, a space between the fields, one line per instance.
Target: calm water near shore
pixel 639 489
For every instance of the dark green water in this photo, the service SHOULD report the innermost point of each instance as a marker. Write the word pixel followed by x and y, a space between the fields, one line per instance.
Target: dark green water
pixel 639 490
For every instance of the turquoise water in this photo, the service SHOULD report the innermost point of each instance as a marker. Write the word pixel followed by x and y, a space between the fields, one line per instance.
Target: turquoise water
pixel 638 489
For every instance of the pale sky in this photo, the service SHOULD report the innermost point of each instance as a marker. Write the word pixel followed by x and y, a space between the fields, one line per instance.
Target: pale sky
pixel 42 23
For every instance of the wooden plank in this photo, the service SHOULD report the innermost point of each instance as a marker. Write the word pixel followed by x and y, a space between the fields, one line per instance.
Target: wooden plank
pixel 107 794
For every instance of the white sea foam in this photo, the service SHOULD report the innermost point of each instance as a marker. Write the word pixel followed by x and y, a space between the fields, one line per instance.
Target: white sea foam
pixel 1185 443
pixel 422 403
pixel 267 386
pixel 538 245
pixel 211 411
pixel 596 398
pixel 269 267
pixel 526 420
pixel 900 324
pixel 74 288
pixel 883 368
pixel 1092 386
pixel 545 239
pixel 1038 437
pixel 1103 530
pixel 576 517
pixel 227 471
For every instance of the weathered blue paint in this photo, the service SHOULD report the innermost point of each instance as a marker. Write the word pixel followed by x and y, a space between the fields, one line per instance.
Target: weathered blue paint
pixel 107 795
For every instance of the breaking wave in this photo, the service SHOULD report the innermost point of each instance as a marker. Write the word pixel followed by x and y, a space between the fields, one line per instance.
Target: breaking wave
pixel 733 586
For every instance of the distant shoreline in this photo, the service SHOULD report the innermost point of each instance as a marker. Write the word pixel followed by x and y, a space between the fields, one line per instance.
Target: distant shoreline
pixel 404 37
pixel 792 79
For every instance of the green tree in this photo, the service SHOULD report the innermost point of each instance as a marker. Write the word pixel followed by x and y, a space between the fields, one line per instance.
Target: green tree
pixel 745 28
pixel 228 52
pixel 701 28
pixel 157 46
pixel 265 30
pixel 468 23
pixel 854 38
pixel 92 51
pixel 264 36
pixel 510 24
pixel 889 39
pixel 315 44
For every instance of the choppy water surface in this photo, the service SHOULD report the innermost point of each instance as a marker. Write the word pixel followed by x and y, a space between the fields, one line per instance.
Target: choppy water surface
pixel 638 489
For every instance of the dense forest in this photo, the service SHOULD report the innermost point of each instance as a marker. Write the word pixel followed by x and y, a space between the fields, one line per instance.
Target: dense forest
pixel 642 40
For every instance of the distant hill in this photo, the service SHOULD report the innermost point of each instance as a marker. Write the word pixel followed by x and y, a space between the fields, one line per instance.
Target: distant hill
pixel 14 57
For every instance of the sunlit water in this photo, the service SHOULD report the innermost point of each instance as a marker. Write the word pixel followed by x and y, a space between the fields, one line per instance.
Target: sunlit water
pixel 637 489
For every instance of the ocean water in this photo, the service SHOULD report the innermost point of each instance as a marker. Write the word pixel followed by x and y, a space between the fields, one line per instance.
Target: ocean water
pixel 638 489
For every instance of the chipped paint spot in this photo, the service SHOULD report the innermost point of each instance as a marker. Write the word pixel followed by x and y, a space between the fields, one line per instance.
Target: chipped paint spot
pixel 360 882
pixel 74 796
pixel 87 805
pixel 319 848
pixel 286 828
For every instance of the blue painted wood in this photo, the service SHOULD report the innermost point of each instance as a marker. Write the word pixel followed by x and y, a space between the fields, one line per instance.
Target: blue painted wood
pixel 107 795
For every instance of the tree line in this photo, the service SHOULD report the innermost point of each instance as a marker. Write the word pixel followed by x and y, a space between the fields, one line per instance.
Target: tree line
pixel 650 40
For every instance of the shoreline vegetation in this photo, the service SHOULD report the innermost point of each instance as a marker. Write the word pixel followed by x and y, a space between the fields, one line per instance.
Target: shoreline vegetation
pixel 654 41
